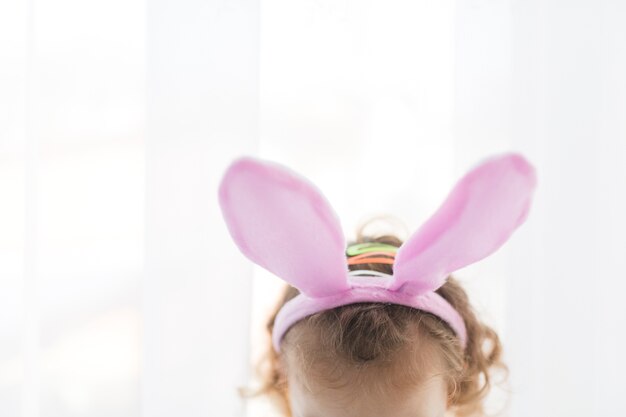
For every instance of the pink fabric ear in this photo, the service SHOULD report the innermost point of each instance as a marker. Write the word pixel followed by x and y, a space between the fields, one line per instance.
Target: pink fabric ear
pixel 477 217
pixel 282 222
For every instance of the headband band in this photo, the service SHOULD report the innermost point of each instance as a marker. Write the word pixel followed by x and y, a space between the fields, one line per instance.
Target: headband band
pixel 282 222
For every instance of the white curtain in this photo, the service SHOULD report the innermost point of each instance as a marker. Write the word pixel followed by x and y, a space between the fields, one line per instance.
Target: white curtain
pixel 121 292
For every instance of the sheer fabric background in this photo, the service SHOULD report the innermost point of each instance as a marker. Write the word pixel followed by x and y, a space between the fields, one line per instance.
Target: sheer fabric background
pixel 121 292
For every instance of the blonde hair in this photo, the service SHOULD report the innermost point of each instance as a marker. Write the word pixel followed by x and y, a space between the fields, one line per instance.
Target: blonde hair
pixel 375 335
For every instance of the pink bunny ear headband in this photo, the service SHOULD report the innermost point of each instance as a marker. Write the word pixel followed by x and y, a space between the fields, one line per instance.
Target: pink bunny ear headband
pixel 282 222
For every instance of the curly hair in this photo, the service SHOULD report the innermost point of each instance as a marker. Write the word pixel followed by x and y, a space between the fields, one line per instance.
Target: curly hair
pixel 368 333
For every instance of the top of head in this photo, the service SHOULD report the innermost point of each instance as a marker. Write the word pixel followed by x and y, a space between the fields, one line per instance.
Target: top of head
pixel 282 222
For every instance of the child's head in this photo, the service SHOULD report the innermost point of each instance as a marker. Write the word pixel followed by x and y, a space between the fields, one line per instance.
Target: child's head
pixel 396 336
pixel 373 359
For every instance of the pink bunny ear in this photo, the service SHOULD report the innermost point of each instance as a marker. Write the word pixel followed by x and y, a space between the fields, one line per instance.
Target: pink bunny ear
pixel 477 217
pixel 282 222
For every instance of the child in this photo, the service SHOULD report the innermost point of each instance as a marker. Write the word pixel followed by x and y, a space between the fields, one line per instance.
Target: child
pixel 383 329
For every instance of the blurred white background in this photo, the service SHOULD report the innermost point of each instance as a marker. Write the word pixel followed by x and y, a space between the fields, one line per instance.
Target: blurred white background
pixel 121 292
